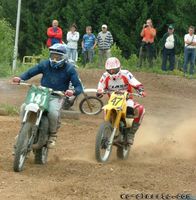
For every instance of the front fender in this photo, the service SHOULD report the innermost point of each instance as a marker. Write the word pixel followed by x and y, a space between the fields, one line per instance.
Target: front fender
pixel 32 107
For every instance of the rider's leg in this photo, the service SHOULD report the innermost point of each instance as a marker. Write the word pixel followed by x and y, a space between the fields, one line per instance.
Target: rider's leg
pixel 55 105
pixel 139 109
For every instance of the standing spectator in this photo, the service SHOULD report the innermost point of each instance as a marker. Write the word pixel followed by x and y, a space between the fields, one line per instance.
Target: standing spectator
pixel 72 43
pixel 54 33
pixel 88 45
pixel 169 42
pixel 189 51
pixel 104 41
pixel 148 35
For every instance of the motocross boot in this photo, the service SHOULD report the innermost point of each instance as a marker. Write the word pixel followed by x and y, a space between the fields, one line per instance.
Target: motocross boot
pixel 131 133
pixel 52 140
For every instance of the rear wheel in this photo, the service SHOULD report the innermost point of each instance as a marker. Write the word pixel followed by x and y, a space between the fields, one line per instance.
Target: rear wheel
pixel 41 155
pixel 22 146
pixel 103 148
pixel 123 152
pixel 91 105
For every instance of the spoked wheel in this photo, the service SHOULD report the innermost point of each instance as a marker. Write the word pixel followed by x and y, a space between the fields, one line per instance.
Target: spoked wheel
pixel 103 147
pixel 91 105
pixel 22 144
pixel 41 155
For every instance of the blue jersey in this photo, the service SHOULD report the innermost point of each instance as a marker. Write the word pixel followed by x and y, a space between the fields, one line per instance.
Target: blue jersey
pixel 57 79
pixel 89 41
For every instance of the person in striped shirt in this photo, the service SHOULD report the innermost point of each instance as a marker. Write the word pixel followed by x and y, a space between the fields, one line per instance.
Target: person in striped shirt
pixel 104 42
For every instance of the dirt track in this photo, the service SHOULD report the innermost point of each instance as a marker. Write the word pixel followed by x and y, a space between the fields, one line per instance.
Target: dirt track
pixel 162 160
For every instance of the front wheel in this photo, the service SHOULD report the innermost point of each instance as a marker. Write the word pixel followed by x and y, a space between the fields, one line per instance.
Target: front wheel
pixel 41 155
pixel 91 105
pixel 103 148
pixel 22 146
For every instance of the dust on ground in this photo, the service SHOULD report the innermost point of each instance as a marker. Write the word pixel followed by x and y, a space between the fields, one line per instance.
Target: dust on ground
pixel 162 160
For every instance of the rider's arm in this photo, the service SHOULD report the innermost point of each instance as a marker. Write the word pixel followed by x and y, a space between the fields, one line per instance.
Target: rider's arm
pixel 37 69
pixel 102 83
pixel 75 81
pixel 133 81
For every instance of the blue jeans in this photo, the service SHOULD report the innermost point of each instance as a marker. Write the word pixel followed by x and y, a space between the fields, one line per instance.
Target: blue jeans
pixel 168 53
pixel 189 56
pixel 72 54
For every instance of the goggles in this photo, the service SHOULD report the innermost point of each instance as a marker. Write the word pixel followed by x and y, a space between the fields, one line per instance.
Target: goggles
pixel 56 57
pixel 113 71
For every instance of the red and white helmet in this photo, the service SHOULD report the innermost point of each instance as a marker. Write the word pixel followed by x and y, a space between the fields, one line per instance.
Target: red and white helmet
pixel 113 66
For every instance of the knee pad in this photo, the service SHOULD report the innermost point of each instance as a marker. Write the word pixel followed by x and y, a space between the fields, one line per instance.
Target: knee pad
pixel 130 111
pixel 141 111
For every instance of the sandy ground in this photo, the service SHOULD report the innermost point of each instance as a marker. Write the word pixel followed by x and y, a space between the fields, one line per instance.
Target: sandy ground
pixel 162 160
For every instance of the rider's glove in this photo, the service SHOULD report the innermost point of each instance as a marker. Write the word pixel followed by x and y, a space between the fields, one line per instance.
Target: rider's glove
pixel 69 93
pixel 16 80
pixel 141 92
pixel 99 93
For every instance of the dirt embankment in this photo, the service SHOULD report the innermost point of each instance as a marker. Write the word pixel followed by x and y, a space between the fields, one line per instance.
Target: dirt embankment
pixel 162 160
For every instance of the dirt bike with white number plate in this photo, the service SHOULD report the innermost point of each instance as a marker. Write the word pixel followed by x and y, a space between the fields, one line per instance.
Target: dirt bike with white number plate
pixel 89 104
pixel 113 130
pixel 34 132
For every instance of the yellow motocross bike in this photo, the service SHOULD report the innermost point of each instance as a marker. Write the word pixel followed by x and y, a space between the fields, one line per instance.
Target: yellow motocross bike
pixel 113 131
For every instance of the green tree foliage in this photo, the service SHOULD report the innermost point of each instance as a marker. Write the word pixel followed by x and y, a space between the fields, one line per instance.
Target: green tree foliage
pixel 125 19
pixel 6 41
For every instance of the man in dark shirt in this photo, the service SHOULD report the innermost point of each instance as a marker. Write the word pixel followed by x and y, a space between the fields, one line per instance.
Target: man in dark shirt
pixel 57 74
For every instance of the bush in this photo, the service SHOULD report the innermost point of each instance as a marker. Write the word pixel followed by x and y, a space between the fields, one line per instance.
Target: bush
pixel 44 53
pixel 9 109
pixel 6 47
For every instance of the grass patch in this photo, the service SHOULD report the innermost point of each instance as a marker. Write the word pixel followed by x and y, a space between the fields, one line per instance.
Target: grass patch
pixel 7 109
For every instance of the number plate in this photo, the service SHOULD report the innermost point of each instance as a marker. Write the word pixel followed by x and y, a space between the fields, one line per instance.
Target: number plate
pixel 116 101
pixel 39 96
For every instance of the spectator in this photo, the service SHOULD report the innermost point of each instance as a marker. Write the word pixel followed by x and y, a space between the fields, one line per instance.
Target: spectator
pixel 104 41
pixel 189 51
pixel 148 35
pixel 54 33
pixel 88 45
pixel 169 42
pixel 72 43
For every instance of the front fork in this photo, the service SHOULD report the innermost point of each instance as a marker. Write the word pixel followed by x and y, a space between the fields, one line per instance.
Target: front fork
pixel 115 123
pixel 35 118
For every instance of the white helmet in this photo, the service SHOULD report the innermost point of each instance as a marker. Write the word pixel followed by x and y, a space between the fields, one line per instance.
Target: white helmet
pixel 113 66
pixel 58 55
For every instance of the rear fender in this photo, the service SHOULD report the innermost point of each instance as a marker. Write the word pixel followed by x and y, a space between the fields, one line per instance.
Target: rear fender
pixel 88 90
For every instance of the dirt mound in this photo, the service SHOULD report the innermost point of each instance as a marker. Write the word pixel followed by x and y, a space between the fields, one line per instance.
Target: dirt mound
pixel 162 160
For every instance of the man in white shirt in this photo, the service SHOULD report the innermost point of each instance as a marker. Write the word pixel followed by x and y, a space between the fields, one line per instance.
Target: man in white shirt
pixel 72 43
pixel 168 43
pixel 189 51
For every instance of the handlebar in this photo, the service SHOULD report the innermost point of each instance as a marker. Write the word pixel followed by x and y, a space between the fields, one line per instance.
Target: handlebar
pixel 121 92
pixel 60 93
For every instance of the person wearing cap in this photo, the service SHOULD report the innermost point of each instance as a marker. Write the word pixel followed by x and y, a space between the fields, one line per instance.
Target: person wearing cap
pixel 72 43
pixel 168 42
pixel 54 34
pixel 104 42
pixel 148 35
pixel 189 51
